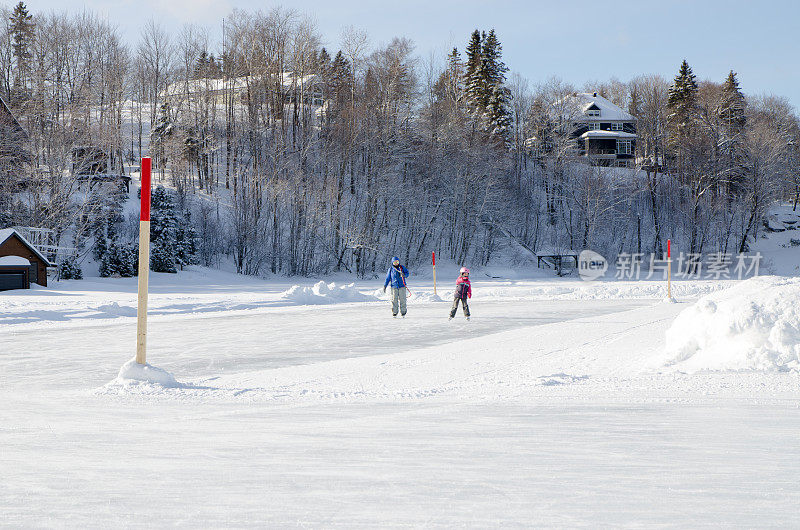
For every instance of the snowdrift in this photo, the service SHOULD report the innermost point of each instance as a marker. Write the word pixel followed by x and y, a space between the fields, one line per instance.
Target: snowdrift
pixel 428 296
pixel 325 293
pixel 132 372
pixel 135 378
pixel 752 326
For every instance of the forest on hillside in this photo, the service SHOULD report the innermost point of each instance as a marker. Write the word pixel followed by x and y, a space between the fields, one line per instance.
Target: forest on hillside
pixel 278 155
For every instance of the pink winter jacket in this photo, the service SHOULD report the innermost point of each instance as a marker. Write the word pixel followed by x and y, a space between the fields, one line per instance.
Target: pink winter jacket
pixel 460 290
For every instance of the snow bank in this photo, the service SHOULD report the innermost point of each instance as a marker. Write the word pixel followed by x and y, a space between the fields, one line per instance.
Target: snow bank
pixel 415 296
pixel 326 293
pixel 603 290
pixel 133 372
pixel 428 296
pixel 752 326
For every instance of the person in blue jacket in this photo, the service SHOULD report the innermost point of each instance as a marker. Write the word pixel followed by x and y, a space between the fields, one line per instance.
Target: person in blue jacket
pixel 397 278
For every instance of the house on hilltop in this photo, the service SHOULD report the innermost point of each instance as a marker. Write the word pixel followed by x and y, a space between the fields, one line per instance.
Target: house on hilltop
pixel 596 128
pixel 603 132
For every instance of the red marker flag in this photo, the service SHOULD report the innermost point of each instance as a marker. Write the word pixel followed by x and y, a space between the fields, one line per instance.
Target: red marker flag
pixel 145 216
pixel 144 264
pixel 433 259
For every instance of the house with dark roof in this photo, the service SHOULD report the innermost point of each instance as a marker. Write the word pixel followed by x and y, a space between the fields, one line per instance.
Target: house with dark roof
pixel 596 129
pixel 603 132
pixel 21 264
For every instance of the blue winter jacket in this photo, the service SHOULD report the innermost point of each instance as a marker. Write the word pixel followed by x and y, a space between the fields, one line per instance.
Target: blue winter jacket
pixel 394 277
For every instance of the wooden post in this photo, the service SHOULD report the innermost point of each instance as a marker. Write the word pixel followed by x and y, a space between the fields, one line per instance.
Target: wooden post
pixel 433 258
pixel 144 263
pixel 669 269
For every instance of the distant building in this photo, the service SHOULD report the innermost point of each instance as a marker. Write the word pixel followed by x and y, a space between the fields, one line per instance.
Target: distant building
pixel 604 132
pixel 600 131
pixel 93 164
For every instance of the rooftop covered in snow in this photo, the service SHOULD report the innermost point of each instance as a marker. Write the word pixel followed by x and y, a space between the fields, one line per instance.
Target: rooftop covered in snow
pixel 6 233
pixel 583 102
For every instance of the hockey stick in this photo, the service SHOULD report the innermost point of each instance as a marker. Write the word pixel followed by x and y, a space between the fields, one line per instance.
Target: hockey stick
pixel 402 276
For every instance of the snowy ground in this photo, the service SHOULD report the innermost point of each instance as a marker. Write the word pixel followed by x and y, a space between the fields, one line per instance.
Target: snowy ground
pixel 557 405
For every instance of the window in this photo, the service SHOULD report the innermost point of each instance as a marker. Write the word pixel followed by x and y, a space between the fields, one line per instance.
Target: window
pixel 593 126
pixel 624 147
pixel 593 112
pixel 616 126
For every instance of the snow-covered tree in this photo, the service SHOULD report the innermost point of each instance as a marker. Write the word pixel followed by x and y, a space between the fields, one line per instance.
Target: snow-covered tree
pixel 682 102
pixel 474 78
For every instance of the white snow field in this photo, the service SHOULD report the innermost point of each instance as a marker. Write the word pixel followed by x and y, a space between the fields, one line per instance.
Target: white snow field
pixel 560 404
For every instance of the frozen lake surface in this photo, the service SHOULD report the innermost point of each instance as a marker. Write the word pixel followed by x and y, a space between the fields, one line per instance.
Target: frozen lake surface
pixel 552 407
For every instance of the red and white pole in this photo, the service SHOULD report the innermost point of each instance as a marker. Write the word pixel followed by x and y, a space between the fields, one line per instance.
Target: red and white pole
pixel 144 264
pixel 669 269
pixel 433 258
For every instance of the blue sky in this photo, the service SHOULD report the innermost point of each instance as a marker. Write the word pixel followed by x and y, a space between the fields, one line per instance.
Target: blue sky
pixel 576 40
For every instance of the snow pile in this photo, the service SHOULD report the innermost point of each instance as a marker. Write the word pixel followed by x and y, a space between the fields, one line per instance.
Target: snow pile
pixel 415 296
pixel 428 296
pixel 752 326
pixel 326 293
pixel 134 373
pixel 570 290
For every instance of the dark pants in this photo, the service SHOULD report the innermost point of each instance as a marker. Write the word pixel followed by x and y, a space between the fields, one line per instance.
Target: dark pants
pixel 464 306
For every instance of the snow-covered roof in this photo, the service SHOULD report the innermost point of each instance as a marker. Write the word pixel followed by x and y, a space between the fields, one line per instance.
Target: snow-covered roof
pixel 596 133
pixel 608 111
pixel 14 260
pixel 5 233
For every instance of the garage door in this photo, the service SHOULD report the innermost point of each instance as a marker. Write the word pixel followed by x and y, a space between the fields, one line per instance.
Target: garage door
pixel 12 280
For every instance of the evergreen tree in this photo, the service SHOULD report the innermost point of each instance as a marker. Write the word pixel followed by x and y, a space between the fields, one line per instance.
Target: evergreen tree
pixel 163 129
pixel 120 260
pixel 69 269
pixel 106 269
pixel 682 101
pixel 323 63
pixel 162 257
pixel 733 105
pixel 100 247
pixel 22 33
pixel 201 67
pixel 733 118
pixel 494 70
pixel 174 239
pixel 186 242
pixel 341 71
pixel 498 97
pixel 484 84
pixel 127 260
pixel 499 113
pixel 682 116
pixel 474 89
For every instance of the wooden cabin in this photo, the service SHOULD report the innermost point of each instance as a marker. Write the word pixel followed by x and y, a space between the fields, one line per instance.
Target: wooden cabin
pixel 21 264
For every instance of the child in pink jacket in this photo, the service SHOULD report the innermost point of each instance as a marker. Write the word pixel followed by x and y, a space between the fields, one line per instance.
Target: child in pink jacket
pixel 463 291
